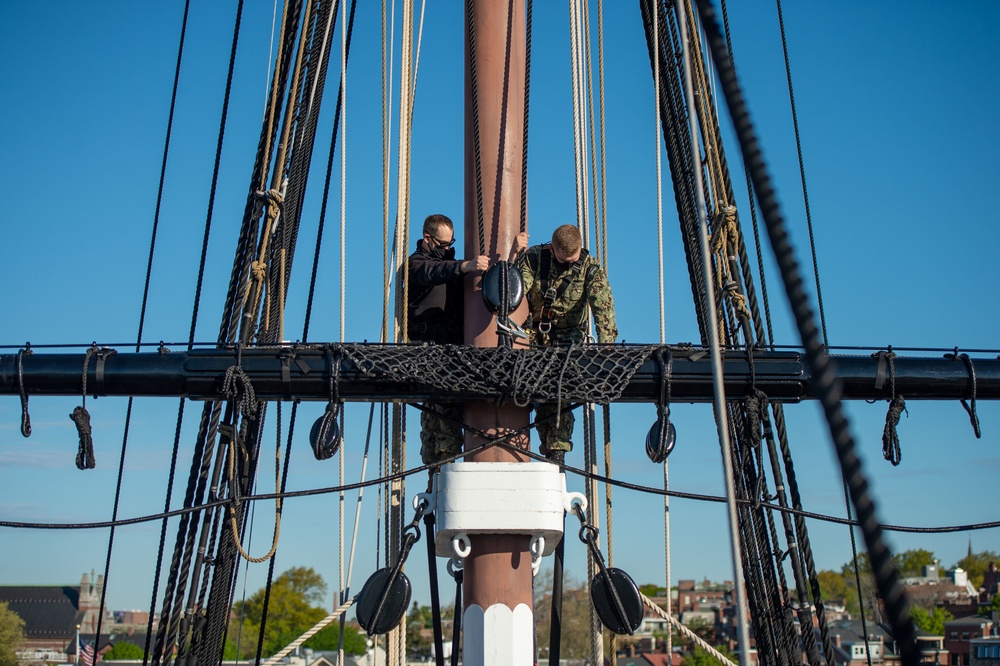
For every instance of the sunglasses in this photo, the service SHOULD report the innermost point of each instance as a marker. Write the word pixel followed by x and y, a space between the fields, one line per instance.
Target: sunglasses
pixel 441 243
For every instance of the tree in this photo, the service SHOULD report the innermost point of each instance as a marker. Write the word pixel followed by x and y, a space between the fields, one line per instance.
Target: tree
pixel 418 620
pixel 912 562
pixel 975 565
pixel 575 635
pixel 931 622
pixel 702 657
pixel 291 610
pixel 11 635
pixel 834 585
pixel 122 651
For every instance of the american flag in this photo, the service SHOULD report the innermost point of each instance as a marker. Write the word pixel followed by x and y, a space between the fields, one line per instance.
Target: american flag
pixel 87 653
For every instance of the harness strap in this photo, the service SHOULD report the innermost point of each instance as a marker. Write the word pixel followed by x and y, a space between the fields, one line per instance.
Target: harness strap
pixel 549 293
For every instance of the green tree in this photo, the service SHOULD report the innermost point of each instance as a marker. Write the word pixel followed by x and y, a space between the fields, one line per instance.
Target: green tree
pixel 293 608
pixel 575 636
pixel 702 657
pixel 912 562
pixel 834 585
pixel 931 622
pixel 11 635
pixel 418 619
pixel 123 650
pixel 975 565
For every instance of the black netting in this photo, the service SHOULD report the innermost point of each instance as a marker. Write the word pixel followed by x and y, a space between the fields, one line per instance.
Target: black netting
pixel 524 375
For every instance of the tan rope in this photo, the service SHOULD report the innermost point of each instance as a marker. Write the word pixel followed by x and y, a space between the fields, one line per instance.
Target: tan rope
pixel 275 98
pixel 684 630
pixel 293 93
pixel 316 628
pixel 277 504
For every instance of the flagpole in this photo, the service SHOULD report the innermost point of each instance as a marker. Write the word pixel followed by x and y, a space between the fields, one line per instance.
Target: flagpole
pixel 76 653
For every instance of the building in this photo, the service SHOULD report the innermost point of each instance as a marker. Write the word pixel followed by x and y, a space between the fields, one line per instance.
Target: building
pixel 54 615
pixel 959 634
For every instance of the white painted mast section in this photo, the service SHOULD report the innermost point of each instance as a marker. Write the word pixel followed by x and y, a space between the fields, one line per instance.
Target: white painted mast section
pixel 721 416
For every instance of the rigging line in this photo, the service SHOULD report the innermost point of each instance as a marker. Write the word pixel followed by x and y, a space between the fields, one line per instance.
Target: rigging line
pixel 339 612
pixel 659 172
pixel 769 340
pixel 524 127
pixel 343 171
pixel 802 173
pixel 578 128
pixel 387 255
pixel 278 175
pixel 142 319
pixel 403 176
pixel 326 192
pixel 604 163
pixel 721 418
pixel 474 93
pixel 886 574
pixel 587 59
pixel 357 511
pixel 500 441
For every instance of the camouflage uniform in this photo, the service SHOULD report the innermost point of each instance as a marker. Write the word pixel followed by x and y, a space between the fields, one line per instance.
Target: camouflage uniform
pixel 581 288
pixel 440 437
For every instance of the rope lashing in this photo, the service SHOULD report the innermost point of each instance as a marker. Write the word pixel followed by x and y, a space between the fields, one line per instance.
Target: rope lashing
pixel 726 232
pixel 897 405
pixel 970 406
pixel 25 417
pixel 80 416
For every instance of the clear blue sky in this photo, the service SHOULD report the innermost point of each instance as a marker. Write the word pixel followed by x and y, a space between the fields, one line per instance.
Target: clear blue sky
pixel 897 110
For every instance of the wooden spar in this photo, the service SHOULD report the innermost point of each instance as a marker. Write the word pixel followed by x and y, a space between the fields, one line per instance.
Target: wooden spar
pixel 497 574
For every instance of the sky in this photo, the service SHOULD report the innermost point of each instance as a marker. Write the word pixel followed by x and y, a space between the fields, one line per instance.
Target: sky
pixel 896 106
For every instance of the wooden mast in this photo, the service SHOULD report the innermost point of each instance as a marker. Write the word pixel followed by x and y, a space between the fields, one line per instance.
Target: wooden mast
pixel 498 570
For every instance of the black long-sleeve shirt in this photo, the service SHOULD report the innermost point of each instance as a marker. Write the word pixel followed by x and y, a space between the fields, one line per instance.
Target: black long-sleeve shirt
pixel 436 305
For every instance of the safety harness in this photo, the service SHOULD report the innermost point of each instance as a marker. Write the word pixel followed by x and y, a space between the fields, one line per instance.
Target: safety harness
pixel 549 293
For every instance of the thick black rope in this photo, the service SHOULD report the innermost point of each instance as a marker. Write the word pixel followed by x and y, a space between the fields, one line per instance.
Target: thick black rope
pixel 435 592
pixel 25 416
pixel 81 417
pixel 886 576
pixel 897 405
pixel 524 133
pixel 970 409
pixel 474 86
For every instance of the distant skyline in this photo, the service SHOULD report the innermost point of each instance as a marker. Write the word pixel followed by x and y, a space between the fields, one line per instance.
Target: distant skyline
pixel 896 108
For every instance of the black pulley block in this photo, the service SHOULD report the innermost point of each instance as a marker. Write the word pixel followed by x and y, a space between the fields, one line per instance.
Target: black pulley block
pixel 325 434
pixel 604 603
pixel 659 444
pixel 383 601
pixel 503 287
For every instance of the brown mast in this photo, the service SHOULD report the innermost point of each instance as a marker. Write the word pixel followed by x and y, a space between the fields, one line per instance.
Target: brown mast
pixel 498 570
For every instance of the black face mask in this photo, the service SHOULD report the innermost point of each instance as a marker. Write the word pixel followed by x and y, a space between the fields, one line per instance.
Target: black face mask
pixel 439 252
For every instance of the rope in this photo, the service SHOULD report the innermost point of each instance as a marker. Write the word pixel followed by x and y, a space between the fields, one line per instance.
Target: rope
pixel 802 172
pixel 25 416
pixel 403 176
pixel 970 409
pixel 386 155
pixel 608 510
pixel 676 624
pixel 722 422
pixel 523 226
pixel 474 91
pixel 659 175
pixel 81 417
pixel 886 575
pixel 316 628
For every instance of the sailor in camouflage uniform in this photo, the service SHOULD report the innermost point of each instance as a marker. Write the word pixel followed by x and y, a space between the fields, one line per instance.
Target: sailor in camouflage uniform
pixel 564 285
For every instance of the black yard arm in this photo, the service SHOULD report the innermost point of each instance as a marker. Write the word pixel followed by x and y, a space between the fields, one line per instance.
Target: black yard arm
pixel 303 373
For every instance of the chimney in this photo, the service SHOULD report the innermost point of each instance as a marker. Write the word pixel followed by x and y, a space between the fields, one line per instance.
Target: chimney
pixel 836 640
